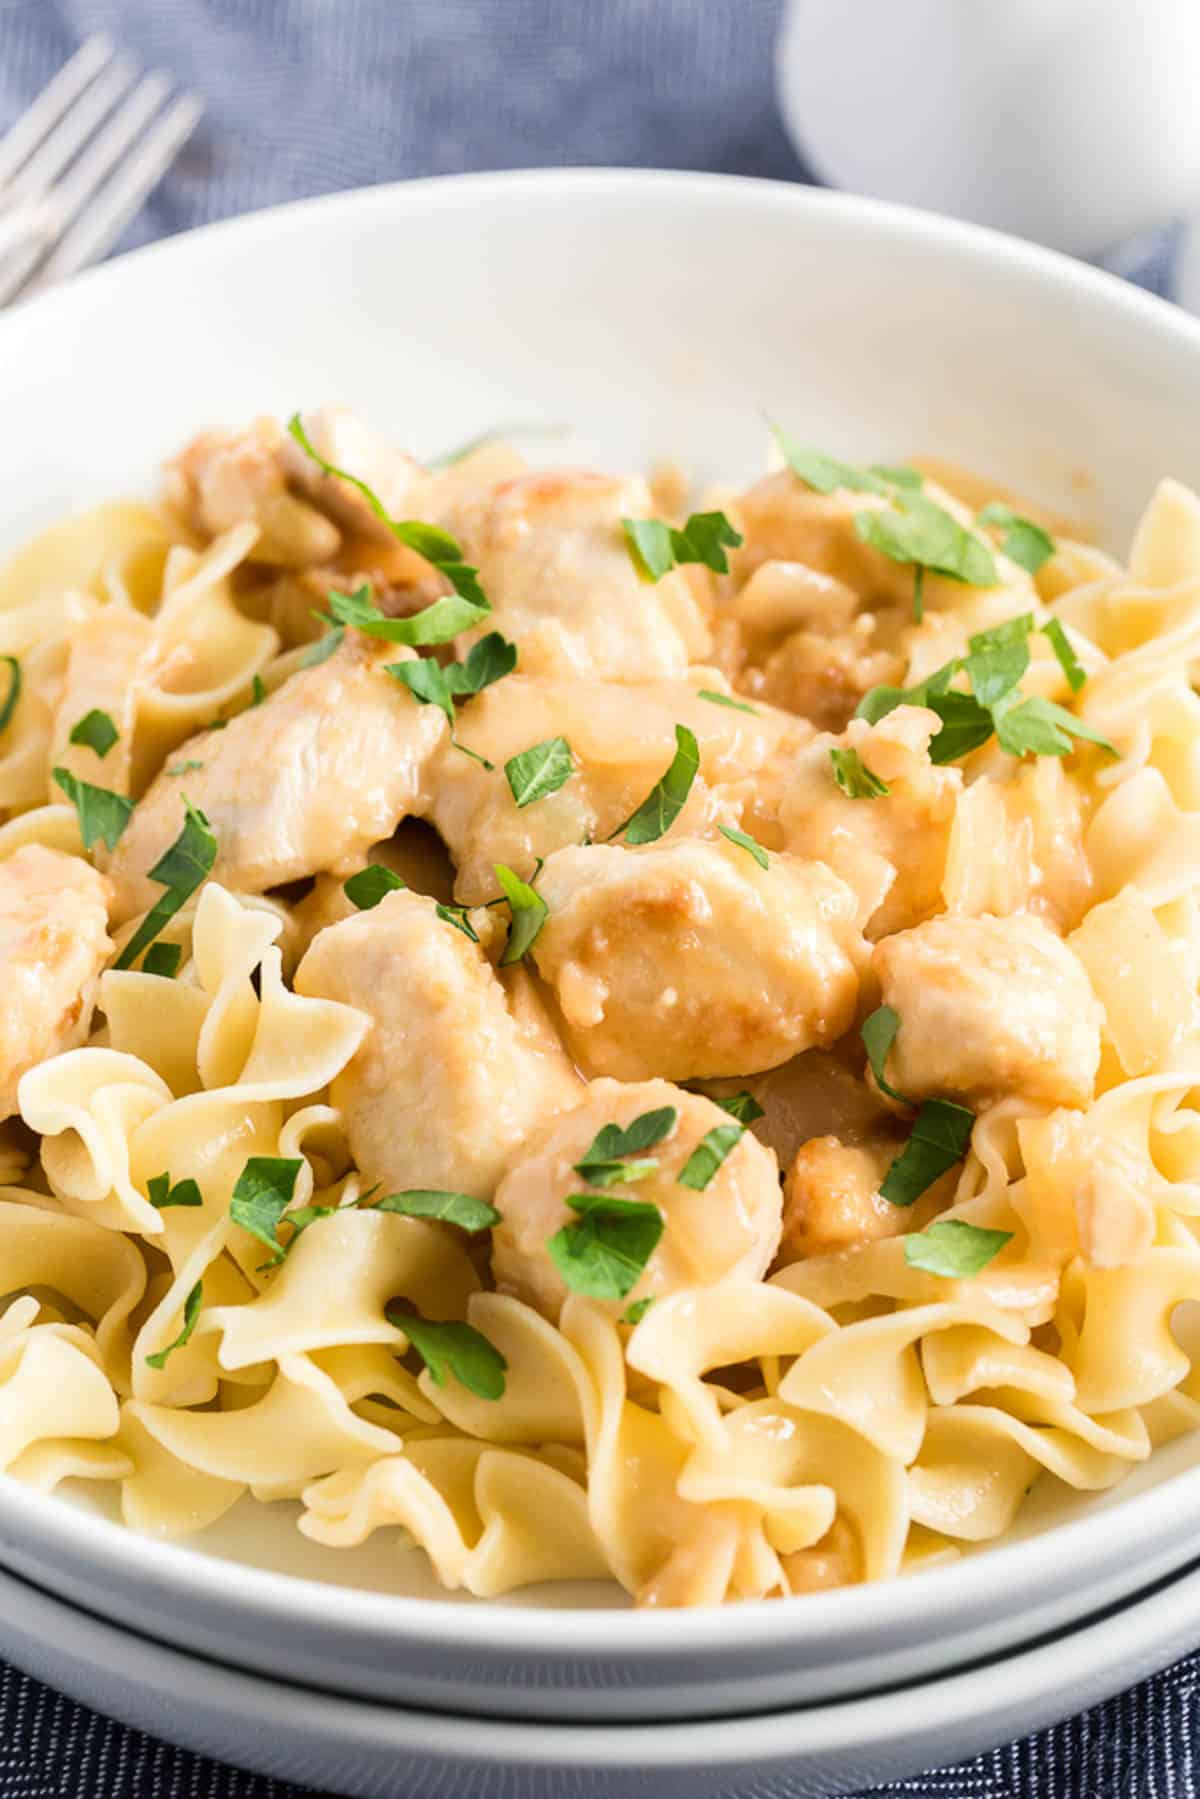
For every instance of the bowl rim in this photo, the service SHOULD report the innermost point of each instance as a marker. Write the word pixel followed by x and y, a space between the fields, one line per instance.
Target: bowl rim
pixel 496 1625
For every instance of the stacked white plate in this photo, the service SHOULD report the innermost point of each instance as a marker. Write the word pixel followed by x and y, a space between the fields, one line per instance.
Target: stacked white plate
pixel 658 314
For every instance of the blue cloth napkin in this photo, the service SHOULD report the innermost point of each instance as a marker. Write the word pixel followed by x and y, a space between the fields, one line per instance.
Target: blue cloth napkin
pixel 308 96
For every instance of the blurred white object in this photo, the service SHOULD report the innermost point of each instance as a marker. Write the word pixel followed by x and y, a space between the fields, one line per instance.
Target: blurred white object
pixel 1073 122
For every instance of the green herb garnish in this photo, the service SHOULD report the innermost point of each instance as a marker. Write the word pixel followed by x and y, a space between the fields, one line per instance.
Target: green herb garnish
pixel 163 959
pixel 326 644
pixel 457 1349
pixel 603 1164
pixel 667 798
pixel 96 731
pixel 656 548
pixel 529 913
pixel 182 868
pixel 191 1311
pixel 14 691
pixel 258 691
pixel 637 1311
pixel 457 916
pixel 370 885
pixel 953 1248
pixel 726 699
pixel 161 1193
pixel 744 841
pixel 469 1214
pixel 540 770
pixel 855 778
pixel 1023 542
pixel 941 1131
pixel 603 1252
pixel 742 1106
pixel 102 814
pixel 262 1195
pixel 183 768
pixel 709 1154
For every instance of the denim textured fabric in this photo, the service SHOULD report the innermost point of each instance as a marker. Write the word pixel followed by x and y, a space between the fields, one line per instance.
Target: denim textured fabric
pixel 309 96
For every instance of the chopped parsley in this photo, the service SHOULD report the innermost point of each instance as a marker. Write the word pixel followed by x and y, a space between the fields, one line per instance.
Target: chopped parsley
pixel 161 1193
pixel 726 699
pixel 370 885
pixel 1023 542
pixel 469 1214
pixel 667 798
pixel 258 691
pixel 854 777
pixel 539 771
pixel 329 641
pixel 656 548
pixel 102 814
pixel 744 841
pixel 637 1311
pixel 262 1195
pixel 431 684
pixel 436 623
pixel 604 1163
pixel 708 1155
pixel 953 1248
pixel 163 959
pixel 742 1106
pixel 183 867
pixel 457 1349
pixel 191 1311
pixel 604 1251
pixel 183 768
pixel 941 1131
pixel 457 916
pixel 96 731
pixel 528 910
pixel 14 691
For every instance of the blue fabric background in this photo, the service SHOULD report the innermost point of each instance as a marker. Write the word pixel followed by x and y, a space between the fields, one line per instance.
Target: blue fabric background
pixel 308 96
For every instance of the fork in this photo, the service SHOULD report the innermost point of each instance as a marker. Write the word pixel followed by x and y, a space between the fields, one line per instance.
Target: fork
pixel 81 161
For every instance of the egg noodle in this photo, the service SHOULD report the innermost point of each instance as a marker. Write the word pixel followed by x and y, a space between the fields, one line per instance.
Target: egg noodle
pixel 608 1042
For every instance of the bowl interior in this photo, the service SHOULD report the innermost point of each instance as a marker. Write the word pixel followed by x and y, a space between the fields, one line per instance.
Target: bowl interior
pixel 653 315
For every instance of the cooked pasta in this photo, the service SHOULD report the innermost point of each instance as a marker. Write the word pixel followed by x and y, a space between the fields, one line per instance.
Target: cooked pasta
pixel 603 1046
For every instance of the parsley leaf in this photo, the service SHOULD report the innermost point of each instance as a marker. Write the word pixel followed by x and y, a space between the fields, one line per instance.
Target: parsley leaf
pixel 14 691
pixel 324 647
pixel 1068 661
pixel 163 959
pixel 183 768
pixel 655 547
pixel 726 699
pixel 436 623
pixel 258 691
pixel 954 1248
pixel 878 1033
pixel 709 1154
pixel 458 1349
pixel 181 868
pixel 742 1106
pixel 855 778
pixel 426 681
pixel 897 474
pixel 745 842
pixel 487 661
pixel 191 1311
pixel 96 731
pixel 471 1215
pixel 262 1195
pixel 637 1311
pixel 161 1193
pixel 370 884
pixel 613 1141
pixel 102 814
pixel 825 473
pixel 667 798
pixel 529 913
pixel 1040 728
pixel 925 533
pixel 1023 541
pixel 603 1252
pixel 457 916
pixel 939 1139
pixel 539 771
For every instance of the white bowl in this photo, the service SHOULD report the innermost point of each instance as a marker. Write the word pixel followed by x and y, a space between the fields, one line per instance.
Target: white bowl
pixel 354 1746
pixel 659 313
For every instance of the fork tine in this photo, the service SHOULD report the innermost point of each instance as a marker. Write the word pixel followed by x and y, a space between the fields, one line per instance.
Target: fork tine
pixel 102 155
pixel 59 94
pixel 120 199
pixel 73 130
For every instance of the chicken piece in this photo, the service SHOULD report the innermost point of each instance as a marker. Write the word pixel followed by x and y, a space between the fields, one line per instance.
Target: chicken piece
pixel 892 850
pixel 989 1007
pixel 222 480
pixel 53 945
pixel 831 1198
pixel 807 645
pixel 554 562
pixel 622 739
pixel 687 959
pixel 308 781
pixel 730 1228
pixel 814 1095
pixel 105 662
pixel 450 1079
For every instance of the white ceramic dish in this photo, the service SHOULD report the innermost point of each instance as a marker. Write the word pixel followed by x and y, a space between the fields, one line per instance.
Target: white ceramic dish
pixel 353 1746
pixel 661 313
